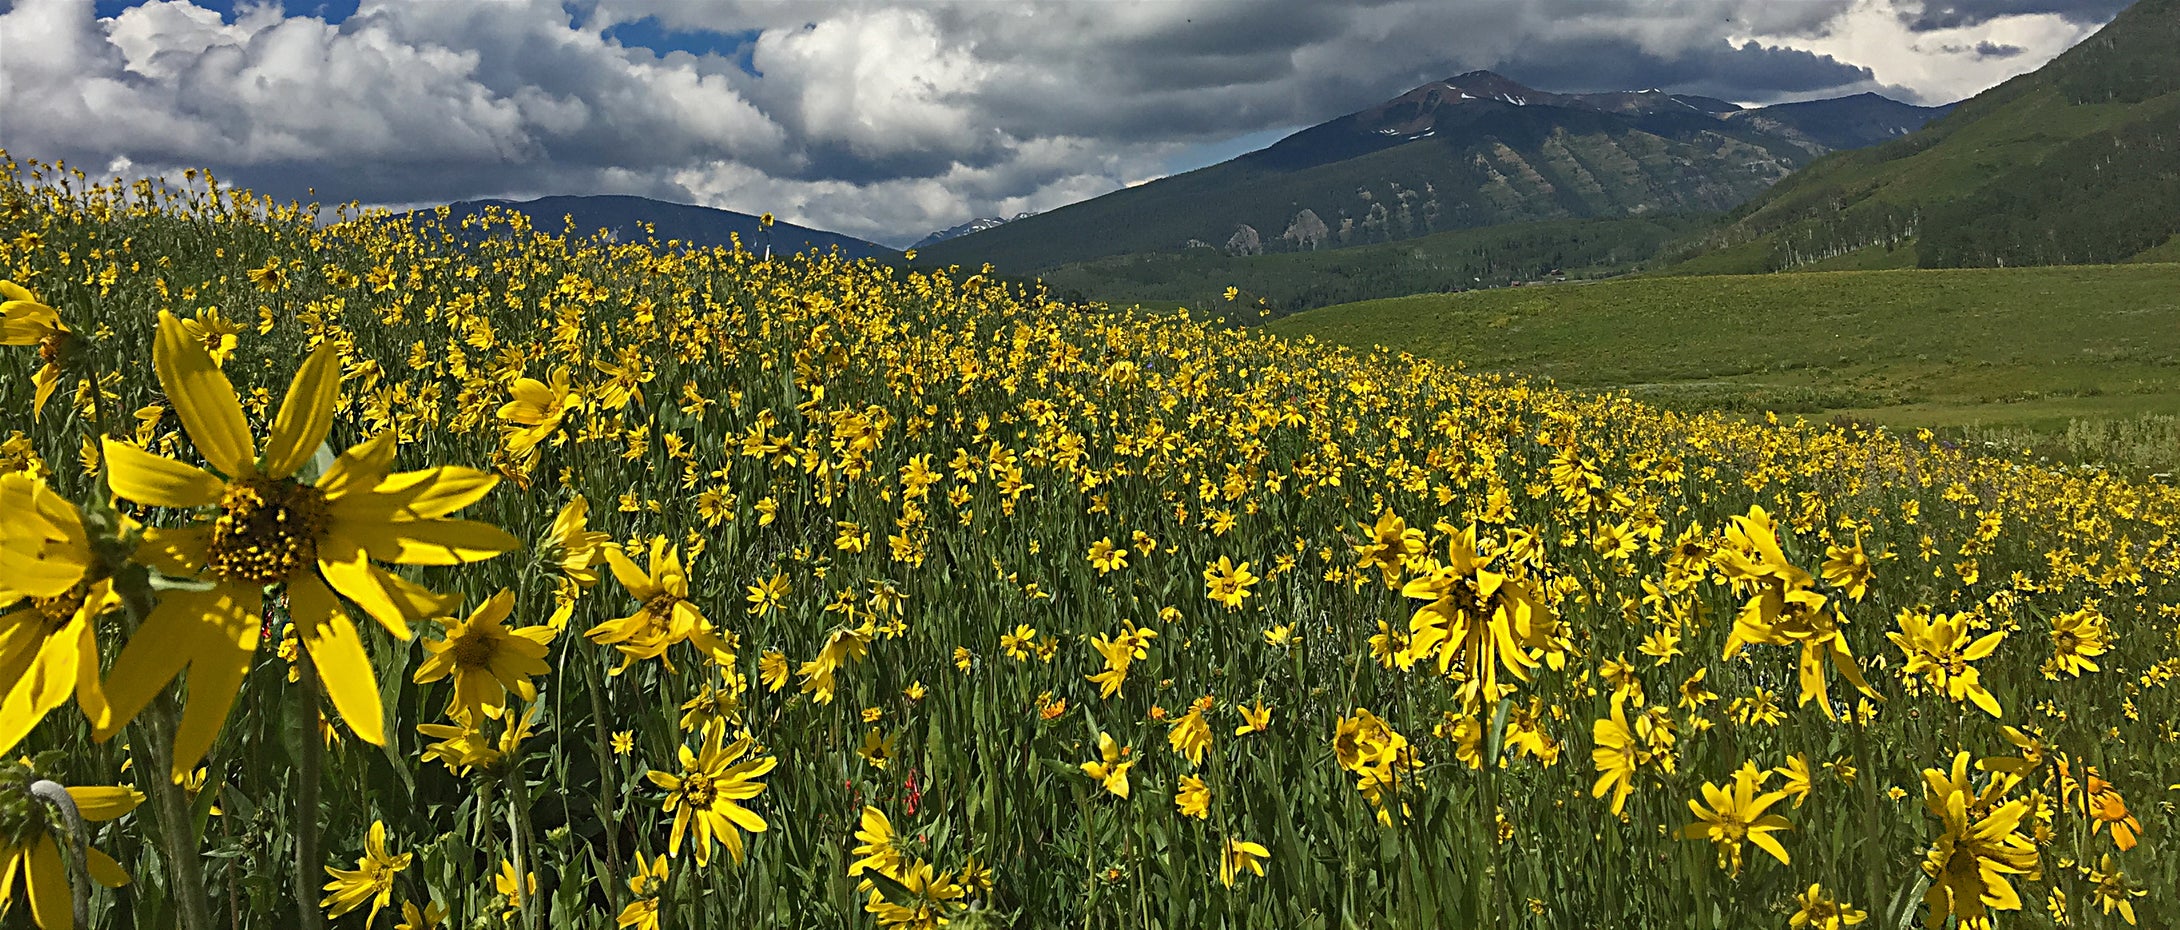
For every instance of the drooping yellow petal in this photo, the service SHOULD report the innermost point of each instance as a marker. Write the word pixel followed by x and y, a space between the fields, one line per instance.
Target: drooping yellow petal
pixel 215 676
pixel 203 398
pixel 43 548
pixel 344 669
pixel 145 478
pixel 157 652
pixel 306 415
pixel 104 870
pixel 383 596
pixel 214 633
pixel 51 905
pixel 47 378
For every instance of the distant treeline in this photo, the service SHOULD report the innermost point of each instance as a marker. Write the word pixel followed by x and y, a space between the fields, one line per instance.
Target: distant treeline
pixel 1452 261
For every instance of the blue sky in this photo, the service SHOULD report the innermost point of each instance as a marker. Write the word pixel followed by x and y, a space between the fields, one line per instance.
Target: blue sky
pixel 886 120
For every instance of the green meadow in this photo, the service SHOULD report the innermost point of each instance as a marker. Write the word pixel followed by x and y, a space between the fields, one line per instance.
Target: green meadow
pixel 2028 353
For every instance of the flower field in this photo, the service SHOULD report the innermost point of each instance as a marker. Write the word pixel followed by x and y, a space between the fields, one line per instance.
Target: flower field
pixel 356 570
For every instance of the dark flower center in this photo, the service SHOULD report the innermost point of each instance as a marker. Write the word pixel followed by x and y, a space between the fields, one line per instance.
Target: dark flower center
pixel 266 530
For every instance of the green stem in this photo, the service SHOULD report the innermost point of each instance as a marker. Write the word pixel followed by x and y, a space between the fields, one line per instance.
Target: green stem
pixel 309 747
pixel 151 741
pixel 608 815
pixel 79 867
pixel 518 830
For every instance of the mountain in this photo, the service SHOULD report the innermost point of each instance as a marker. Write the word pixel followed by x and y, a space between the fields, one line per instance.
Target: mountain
pixel 623 216
pixel 1474 150
pixel 979 224
pixel 1841 123
pixel 2075 163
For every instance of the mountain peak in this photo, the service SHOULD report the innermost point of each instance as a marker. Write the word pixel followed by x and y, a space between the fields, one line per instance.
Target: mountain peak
pixel 1488 85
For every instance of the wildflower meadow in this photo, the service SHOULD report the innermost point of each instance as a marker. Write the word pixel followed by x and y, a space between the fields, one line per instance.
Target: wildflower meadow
pixel 373 570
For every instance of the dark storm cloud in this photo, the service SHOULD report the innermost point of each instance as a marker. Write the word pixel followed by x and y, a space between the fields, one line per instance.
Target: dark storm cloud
pixel 1954 14
pixel 879 120
pixel 1749 71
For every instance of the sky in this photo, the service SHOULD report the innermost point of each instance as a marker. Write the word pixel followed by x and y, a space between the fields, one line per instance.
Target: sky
pixel 885 120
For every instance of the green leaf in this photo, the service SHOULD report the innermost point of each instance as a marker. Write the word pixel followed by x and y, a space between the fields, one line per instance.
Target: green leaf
pixel 1498 732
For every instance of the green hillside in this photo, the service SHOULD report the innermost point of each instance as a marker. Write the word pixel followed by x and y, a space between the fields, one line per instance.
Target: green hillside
pixel 1296 281
pixel 2023 347
pixel 1530 170
pixel 2076 163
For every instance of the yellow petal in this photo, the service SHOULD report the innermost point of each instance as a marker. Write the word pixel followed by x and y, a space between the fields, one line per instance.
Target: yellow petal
pixel 51 905
pixel 104 870
pixel 215 675
pixel 638 584
pixel 388 598
pixel 43 549
pixel 420 495
pixel 47 378
pixel 155 654
pixel 25 321
pixel 1766 843
pixel 360 469
pixel 203 399
pixel 344 668
pixel 180 551
pixel 428 542
pixel 306 414
pixel 157 480
pixel 100 803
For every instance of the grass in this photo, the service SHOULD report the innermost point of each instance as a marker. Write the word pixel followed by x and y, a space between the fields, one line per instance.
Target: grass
pixel 2025 349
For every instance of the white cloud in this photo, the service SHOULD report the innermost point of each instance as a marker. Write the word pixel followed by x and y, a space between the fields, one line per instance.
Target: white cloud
pixel 1942 65
pixel 884 121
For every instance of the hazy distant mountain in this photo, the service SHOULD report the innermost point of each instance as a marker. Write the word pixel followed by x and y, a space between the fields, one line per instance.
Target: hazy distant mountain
pixel 979 224
pixel 625 215
pixel 1842 123
pixel 1475 150
pixel 2077 162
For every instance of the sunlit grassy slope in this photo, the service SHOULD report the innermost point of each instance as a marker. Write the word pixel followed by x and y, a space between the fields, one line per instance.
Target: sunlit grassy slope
pixel 2031 347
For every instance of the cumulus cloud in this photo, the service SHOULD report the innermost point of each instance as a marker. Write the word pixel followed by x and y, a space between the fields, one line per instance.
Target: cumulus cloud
pixel 886 121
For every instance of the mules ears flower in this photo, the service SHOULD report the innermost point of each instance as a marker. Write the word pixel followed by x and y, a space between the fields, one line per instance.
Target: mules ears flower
pixel 1239 856
pixel 1971 861
pixel 261 527
pixel 706 797
pixel 1110 769
pixel 1737 813
pixel 24 321
pixel 647 885
pixel 488 660
pixel 665 615
pixel 51 590
pixel 1819 910
pixel 371 880
pixel 30 854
